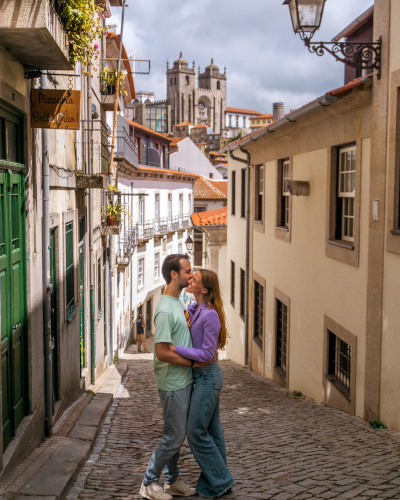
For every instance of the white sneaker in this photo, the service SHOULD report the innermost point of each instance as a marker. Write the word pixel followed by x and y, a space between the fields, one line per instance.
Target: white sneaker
pixel 179 489
pixel 153 492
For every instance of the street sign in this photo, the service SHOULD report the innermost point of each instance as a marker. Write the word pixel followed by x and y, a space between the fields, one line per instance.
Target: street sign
pixel 58 109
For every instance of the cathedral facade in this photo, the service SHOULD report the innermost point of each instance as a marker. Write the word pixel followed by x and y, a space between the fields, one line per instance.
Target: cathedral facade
pixel 205 104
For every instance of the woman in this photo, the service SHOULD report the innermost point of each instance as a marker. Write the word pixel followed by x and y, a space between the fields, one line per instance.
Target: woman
pixel 205 433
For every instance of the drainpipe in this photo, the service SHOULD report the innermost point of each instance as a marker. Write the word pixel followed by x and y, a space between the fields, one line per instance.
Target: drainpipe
pixel 131 273
pixel 247 256
pixel 91 272
pixel 47 337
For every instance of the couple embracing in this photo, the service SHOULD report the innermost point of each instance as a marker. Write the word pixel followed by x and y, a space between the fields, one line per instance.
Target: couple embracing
pixel 189 381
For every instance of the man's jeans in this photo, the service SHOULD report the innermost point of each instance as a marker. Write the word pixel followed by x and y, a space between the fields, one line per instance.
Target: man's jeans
pixel 175 408
pixel 205 433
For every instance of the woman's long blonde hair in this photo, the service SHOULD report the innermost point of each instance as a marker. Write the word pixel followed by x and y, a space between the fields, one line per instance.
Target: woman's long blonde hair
pixel 213 299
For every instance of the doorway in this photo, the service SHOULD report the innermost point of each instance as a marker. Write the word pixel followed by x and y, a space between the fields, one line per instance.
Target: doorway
pixel 149 315
pixel 54 313
pixel 81 284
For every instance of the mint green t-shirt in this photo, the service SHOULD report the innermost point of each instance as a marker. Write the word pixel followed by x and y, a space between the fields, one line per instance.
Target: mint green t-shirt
pixel 171 326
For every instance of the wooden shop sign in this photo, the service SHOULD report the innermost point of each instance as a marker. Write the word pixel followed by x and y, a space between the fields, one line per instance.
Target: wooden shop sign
pixel 58 109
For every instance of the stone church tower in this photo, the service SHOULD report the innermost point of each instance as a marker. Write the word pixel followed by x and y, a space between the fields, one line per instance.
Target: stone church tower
pixel 203 105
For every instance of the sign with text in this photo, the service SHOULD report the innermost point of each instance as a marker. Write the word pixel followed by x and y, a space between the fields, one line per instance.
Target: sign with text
pixel 57 109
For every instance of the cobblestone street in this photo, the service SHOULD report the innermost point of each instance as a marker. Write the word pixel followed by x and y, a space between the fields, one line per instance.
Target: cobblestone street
pixel 279 445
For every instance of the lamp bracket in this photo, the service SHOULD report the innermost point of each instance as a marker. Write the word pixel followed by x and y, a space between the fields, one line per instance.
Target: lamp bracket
pixel 360 55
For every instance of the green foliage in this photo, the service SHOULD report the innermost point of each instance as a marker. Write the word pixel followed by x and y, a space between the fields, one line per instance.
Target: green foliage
pixel 109 76
pixel 297 393
pixel 376 424
pixel 83 28
pixel 232 139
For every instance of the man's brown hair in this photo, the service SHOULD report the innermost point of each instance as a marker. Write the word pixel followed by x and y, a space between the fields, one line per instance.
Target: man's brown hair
pixel 172 263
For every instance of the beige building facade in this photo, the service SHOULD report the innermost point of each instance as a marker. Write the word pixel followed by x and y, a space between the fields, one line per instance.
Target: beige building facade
pixel 313 293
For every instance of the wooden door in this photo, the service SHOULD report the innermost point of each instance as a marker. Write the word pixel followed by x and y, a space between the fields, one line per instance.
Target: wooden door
pixel 198 253
pixel 149 314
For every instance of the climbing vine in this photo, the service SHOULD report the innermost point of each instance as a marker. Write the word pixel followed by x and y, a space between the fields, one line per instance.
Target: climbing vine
pixel 84 29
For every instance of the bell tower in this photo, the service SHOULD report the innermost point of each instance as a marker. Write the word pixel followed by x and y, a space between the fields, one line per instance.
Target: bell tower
pixel 181 82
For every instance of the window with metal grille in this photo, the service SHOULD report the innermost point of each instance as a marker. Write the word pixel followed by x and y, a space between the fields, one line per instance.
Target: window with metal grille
pixel 233 194
pixel 281 335
pixel 346 193
pixel 242 293
pixel 258 313
pixel 141 273
pixel 69 269
pixel 259 193
pixel 233 283
pixel 285 175
pixel 243 194
pixel 99 287
pixel 339 365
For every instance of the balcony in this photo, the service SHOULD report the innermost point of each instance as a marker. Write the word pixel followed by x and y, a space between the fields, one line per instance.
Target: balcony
pixel 145 231
pixel 160 227
pixel 126 154
pixel 112 213
pixel 127 242
pixel 33 32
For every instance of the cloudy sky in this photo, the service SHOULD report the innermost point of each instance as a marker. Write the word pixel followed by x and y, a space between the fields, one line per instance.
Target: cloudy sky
pixel 254 39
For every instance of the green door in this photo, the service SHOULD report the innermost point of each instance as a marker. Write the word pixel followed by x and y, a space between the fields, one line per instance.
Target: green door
pixel 82 307
pixel 54 314
pixel 13 301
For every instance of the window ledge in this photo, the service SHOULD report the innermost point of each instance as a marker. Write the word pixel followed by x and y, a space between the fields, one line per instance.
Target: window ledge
pixel 332 379
pixel 71 314
pixel 342 243
pixel 258 342
pixel 281 373
pixel 395 232
pixel 258 221
pixel 282 228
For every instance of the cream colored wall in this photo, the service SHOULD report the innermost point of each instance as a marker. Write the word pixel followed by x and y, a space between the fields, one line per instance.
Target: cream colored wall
pixel 390 379
pixel 316 284
pixel 236 252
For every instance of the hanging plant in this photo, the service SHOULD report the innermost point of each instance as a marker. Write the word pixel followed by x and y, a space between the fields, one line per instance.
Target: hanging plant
pixel 84 29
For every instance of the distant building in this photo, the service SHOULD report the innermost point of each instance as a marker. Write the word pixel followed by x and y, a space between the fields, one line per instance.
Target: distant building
pixel 182 129
pixel 259 121
pixel 188 158
pixel 237 118
pixel 152 147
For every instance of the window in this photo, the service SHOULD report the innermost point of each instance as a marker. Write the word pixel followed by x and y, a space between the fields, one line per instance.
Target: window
pixel 284 192
pixel 99 287
pixel 218 85
pixel 180 205
pixel 346 193
pixel 258 121
pixel 237 121
pixel 259 193
pixel 169 206
pixel 242 293
pixel 157 266
pixel 233 193
pixel 141 273
pixel 180 248
pixel 263 121
pixel 187 80
pixel 281 336
pixel 157 207
pixel 141 210
pixel 230 121
pixel 232 283
pixel 190 204
pixel 199 209
pixel 69 269
pixel 244 121
pixel 243 194
pixel 339 363
pixel 258 313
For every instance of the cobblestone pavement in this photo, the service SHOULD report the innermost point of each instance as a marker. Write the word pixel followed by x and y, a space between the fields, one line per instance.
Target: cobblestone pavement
pixel 279 445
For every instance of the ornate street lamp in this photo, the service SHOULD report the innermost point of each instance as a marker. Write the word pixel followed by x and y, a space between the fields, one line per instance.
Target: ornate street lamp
pixel 189 244
pixel 306 19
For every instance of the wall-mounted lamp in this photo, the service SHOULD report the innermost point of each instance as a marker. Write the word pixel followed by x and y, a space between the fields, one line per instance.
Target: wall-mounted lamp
pixel 306 19
pixel 189 244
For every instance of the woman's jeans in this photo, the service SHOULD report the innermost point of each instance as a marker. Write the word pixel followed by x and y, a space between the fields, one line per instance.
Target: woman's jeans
pixel 205 434
pixel 175 408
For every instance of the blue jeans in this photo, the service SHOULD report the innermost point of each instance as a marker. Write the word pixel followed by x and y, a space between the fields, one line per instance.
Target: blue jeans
pixel 205 433
pixel 175 408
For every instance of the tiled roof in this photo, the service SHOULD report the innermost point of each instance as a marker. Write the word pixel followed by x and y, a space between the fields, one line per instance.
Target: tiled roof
pixel 267 115
pixel 200 126
pixel 201 144
pixel 175 140
pixel 207 189
pixel 216 217
pixel 183 124
pixel 243 111
pixel 148 130
pixel 351 85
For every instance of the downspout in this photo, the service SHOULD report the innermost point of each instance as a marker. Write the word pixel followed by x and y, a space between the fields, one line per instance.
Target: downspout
pixel 131 274
pixel 47 337
pixel 91 273
pixel 247 255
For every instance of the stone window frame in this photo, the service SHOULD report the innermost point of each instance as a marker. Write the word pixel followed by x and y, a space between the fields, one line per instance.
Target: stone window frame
pixel 283 233
pixel 393 190
pixel 258 225
pixel 157 279
pixel 277 376
pixel 233 193
pixel 345 251
pixel 256 277
pixel 333 395
pixel 142 287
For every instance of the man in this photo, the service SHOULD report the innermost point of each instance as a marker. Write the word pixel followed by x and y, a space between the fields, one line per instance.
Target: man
pixel 174 382
pixel 140 330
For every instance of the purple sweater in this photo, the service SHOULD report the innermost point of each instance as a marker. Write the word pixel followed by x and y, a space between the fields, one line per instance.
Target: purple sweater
pixel 205 327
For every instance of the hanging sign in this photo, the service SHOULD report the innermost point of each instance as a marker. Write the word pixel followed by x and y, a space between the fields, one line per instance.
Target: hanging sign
pixel 59 109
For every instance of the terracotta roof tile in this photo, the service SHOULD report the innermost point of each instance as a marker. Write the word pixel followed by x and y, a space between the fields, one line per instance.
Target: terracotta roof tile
pixel 200 126
pixel 267 115
pixel 207 189
pixel 216 217
pixel 243 111
pixel 183 124
pixel 175 140
pixel 148 130
pixel 351 85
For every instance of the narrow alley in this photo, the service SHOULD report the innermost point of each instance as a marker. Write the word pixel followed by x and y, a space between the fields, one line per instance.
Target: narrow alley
pixel 280 445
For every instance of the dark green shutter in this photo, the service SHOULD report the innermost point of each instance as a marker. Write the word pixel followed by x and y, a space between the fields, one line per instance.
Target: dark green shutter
pixel 69 264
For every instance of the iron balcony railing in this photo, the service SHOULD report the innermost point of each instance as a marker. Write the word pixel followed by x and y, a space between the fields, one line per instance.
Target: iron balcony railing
pixel 58 7
pixel 125 147
pixel 127 242
pixel 161 226
pixel 145 230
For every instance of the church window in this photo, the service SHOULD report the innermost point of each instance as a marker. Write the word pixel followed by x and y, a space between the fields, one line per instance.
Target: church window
pixel 218 85
pixel 175 81
pixel 187 80
pixel 230 120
